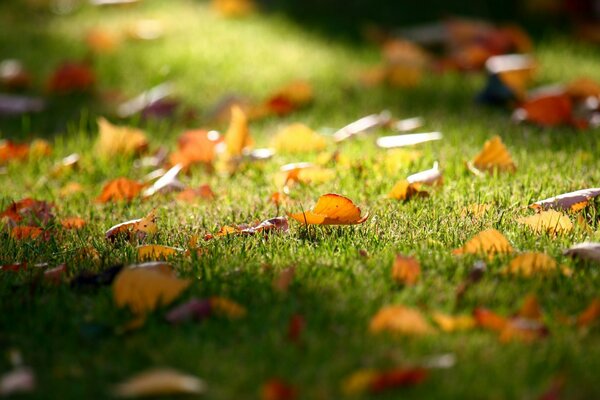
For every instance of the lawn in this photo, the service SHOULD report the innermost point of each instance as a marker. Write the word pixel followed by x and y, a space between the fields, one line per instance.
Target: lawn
pixel 73 337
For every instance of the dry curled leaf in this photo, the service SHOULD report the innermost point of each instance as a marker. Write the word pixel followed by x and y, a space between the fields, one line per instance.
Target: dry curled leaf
pixel 494 156
pixel 119 140
pixel 120 189
pixel 331 209
pixel 135 228
pixel 144 287
pixel 400 319
pixel 405 270
pixel 551 222
pixel 160 382
pixel 573 201
pixel 585 251
pixel 531 263
pixel 489 242
pixel 277 224
pixel 298 138
pixel 404 190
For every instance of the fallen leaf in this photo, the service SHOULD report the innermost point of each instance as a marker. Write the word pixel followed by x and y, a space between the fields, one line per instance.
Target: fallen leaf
pixel 26 232
pixel 166 183
pixel 389 142
pixel 404 190
pixel 156 251
pixel 362 125
pixel 66 164
pixel 475 275
pixel 489 320
pixel 582 88
pixel 298 138
pixel 227 308
pixel 101 41
pixel 144 287
pixel 194 309
pixel 73 223
pixel 29 212
pixel 546 109
pixel 72 77
pixel 431 176
pixel 191 195
pixel 591 314
pixel 395 378
pixel 119 140
pixel 135 228
pixel 475 210
pixel 494 156
pixel 287 99
pixel 120 189
pixel 277 224
pixel 526 326
pixel 282 281
pixel 159 382
pixel 237 137
pixel 453 323
pixel 70 189
pixel 573 201
pixel 279 198
pixel 277 389
pixel 18 380
pixel 296 325
pixel 10 151
pixel 585 251
pixel 196 147
pixel 234 8
pixel 489 242
pixel 551 222
pixel 331 209
pixel 406 270
pixel 530 263
pixel 400 319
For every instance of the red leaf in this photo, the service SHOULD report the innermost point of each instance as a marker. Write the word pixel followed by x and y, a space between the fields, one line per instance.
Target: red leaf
pixel 398 378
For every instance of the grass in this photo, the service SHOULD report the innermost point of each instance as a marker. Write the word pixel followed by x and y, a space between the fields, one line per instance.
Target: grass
pixel 69 336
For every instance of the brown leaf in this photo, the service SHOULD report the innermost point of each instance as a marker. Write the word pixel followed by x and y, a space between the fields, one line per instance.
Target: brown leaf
pixel 72 77
pixel 551 222
pixel 73 223
pixel 400 319
pixel 406 270
pixel 573 201
pixel 191 195
pixel 585 251
pixel 135 228
pixel 120 189
pixel 395 378
pixel 277 389
pixel 28 212
pixel 160 382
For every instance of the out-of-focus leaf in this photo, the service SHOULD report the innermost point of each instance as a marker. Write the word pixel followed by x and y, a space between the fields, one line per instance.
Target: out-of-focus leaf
pixel 10 151
pixel 405 270
pixel 234 8
pixel 194 309
pixel 591 314
pixel 431 176
pixel 72 77
pixel 144 287
pixel 362 125
pixel 494 156
pixel 18 380
pixel 409 139
pixel 135 228
pixel 191 195
pixel 396 378
pixel 120 189
pixel 582 88
pixel 119 140
pixel 475 274
pixel 152 101
pixel 282 281
pixel 331 209
pixel 196 147
pixel 222 306
pixel 401 320
pixel 277 389
pixel 160 382
pixel 551 222
pixel 101 41
pixel 404 190
pixel 237 137
pixel 453 323
pixel 573 201
pixel 156 251
pixel 585 251
pixel 166 183
pixel 26 232
pixel 530 263
pixel 277 224
pixel 489 242
pixel 289 98
pixel 298 138
pixel 28 212
pixel 73 223
pixel 546 109
pixel 296 325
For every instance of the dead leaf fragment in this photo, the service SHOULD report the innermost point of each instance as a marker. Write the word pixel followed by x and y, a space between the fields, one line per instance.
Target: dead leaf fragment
pixel 277 224
pixel 160 382
pixel 119 140
pixel 489 242
pixel 144 287
pixel 551 222
pixel 529 264
pixel 120 189
pixel 400 319
pixel 406 270
pixel 573 201
pixel 494 156
pixel 331 209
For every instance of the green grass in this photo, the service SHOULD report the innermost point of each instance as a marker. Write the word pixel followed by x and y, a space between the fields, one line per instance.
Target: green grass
pixel 69 336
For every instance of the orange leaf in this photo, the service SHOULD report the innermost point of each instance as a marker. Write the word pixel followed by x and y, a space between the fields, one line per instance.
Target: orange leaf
pixel 331 209
pixel 156 251
pixel 530 263
pixel 191 195
pixel 400 319
pixel 494 156
pixel 551 222
pixel 530 309
pixel 28 212
pixel 10 151
pixel 489 242
pixel 196 146
pixel 117 140
pixel 573 201
pixel 276 389
pixel 289 98
pixel 120 189
pixel 406 270
pixel 590 314
pixel 234 8
pixel 489 320
pixel 403 190
pixel 101 41
pixel 279 198
pixel 547 110
pixel 73 223
pixel 237 137
pixel 582 88
pixel 26 232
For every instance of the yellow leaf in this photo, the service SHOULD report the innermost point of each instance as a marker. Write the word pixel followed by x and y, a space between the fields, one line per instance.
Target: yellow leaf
pixel 143 287
pixel 237 137
pixel 227 308
pixel 403 190
pixel 494 156
pixel 551 222
pixel 452 323
pixel 489 242
pixel 156 251
pixel 119 140
pixel 396 159
pixel 400 319
pixel 475 210
pixel 298 138
pixel 331 209
pixel 358 382
pixel 406 270
pixel 530 263
pixel 160 382
pixel 234 8
pixel 141 227
pixel 70 189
